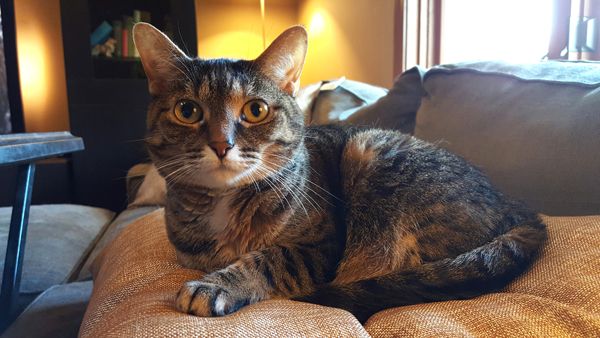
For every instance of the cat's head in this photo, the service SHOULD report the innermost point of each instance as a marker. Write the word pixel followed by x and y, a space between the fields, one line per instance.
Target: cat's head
pixel 222 123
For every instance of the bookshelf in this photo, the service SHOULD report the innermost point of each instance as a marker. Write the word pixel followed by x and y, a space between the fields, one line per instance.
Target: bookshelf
pixel 108 97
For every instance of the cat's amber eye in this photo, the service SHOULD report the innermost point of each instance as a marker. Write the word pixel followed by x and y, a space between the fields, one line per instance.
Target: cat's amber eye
pixel 188 111
pixel 255 111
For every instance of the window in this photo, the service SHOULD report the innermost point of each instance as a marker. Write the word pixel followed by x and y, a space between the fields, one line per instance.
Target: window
pixel 510 30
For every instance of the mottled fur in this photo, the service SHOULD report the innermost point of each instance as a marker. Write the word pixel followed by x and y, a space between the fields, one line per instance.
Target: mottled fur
pixel 356 218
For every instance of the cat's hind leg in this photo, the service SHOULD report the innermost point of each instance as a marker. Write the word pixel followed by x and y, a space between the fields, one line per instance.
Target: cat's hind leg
pixel 381 236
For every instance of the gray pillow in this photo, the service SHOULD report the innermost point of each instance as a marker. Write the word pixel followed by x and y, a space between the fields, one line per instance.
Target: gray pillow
pixel 57 312
pixel 398 108
pixel 533 128
pixel 59 238
pixel 336 101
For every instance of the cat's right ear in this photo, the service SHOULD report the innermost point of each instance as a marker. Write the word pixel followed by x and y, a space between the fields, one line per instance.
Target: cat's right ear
pixel 159 56
pixel 283 60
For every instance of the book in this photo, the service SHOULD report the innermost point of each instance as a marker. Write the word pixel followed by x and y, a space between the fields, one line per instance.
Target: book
pixel 101 34
pixel 118 35
pixel 128 27
pixel 140 16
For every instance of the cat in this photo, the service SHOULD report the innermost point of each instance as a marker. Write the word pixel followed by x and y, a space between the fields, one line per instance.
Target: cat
pixel 350 217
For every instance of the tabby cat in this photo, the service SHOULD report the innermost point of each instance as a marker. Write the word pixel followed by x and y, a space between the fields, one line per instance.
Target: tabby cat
pixel 355 218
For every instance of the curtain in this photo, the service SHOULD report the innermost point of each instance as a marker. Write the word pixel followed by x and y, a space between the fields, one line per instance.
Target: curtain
pixel 417 35
pixel 576 30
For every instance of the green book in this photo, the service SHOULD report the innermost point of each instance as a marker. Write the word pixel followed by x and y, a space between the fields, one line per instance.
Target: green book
pixel 128 26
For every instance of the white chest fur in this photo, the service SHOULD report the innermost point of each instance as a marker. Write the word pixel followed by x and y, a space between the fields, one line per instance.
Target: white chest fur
pixel 221 214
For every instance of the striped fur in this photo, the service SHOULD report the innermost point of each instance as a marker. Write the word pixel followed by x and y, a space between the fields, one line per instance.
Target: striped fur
pixel 360 219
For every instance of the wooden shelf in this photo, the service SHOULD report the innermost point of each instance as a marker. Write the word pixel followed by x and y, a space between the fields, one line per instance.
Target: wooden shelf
pixel 118 68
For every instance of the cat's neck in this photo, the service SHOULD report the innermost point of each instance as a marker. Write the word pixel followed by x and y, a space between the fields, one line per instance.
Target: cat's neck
pixel 239 219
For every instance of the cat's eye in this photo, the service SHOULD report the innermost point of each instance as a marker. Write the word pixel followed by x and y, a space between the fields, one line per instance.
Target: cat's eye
pixel 188 111
pixel 255 111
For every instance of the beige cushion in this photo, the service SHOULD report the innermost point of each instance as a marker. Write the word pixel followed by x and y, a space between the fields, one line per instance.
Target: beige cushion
pixel 558 297
pixel 137 278
pixel 112 231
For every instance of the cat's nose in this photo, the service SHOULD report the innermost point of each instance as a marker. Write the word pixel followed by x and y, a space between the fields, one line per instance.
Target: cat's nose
pixel 220 148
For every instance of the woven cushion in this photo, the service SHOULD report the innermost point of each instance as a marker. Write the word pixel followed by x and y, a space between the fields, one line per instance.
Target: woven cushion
pixel 137 278
pixel 112 230
pixel 558 297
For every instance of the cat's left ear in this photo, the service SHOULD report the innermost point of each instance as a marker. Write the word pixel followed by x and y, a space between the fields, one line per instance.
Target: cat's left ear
pixel 282 62
pixel 159 56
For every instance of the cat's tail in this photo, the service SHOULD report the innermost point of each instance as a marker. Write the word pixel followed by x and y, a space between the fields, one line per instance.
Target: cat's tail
pixel 484 269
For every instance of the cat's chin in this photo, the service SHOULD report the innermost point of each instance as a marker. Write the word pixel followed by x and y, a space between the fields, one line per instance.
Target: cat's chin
pixel 221 178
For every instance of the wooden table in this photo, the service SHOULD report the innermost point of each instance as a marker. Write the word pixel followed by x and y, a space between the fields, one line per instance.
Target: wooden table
pixel 23 150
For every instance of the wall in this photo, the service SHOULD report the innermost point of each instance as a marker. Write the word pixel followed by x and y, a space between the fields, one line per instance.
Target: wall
pixel 346 38
pixel 351 38
pixel 233 28
pixel 41 65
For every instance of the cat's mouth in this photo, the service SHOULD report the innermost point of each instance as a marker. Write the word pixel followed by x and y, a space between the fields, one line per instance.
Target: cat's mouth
pixel 227 167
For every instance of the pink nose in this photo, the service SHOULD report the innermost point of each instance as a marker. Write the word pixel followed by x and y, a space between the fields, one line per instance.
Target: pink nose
pixel 220 148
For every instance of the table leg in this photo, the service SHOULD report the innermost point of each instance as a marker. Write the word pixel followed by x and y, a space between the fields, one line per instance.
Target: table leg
pixel 15 247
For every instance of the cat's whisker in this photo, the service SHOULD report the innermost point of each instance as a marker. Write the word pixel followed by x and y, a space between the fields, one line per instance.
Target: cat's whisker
pixel 302 193
pixel 254 183
pixel 307 196
pixel 276 190
pixel 190 168
pixel 171 163
pixel 287 159
pixel 307 180
pixel 172 64
pixel 290 190
pixel 183 167
pixel 175 159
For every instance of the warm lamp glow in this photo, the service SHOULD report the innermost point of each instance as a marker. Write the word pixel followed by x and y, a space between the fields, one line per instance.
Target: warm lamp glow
pixel 33 71
pixel 41 65
pixel 232 44
pixel 262 16
pixel 317 23
pixel 240 29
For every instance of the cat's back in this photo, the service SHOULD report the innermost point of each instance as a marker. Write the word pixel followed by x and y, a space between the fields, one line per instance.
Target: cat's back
pixel 397 181
pixel 333 147
pixel 387 154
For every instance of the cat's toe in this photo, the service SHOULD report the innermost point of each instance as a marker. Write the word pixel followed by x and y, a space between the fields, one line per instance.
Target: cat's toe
pixel 205 299
pixel 195 297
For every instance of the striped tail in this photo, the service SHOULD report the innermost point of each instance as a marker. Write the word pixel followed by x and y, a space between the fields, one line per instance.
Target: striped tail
pixel 484 269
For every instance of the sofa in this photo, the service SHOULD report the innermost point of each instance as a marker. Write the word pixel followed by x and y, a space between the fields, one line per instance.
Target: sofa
pixel 533 128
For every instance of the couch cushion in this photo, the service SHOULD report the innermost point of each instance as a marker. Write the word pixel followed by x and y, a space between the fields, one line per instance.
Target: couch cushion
pixel 57 312
pixel 59 238
pixel 532 128
pixel 558 297
pixel 335 101
pixel 396 110
pixel 112 231
pixel 136 279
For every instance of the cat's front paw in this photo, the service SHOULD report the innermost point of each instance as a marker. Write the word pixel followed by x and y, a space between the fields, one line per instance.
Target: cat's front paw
pixel 206 299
